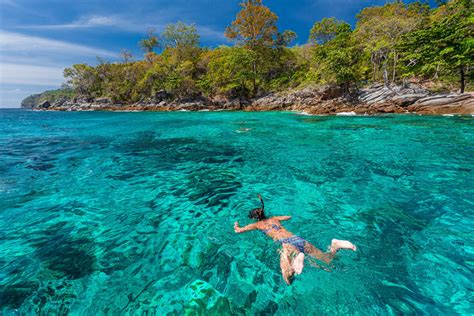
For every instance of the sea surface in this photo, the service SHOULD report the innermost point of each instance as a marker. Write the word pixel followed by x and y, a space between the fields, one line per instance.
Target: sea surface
pixel 132 213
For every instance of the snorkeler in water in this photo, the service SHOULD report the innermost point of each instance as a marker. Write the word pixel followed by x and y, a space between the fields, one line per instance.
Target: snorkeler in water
pixel 294 247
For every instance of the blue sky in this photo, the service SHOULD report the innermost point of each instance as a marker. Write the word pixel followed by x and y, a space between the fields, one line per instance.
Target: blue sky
pixel 39 38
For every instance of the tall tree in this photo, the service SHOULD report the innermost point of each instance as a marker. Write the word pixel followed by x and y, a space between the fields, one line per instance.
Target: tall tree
pixel 180 35
pixel 445 44
pixel 255 28
pixel 151 41
pixel 183 39
pixel 255 25
pixel 323 31
pixel 380 29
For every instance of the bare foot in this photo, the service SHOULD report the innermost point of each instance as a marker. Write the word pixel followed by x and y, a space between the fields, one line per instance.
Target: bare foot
pixel 298 263
pixel 341 244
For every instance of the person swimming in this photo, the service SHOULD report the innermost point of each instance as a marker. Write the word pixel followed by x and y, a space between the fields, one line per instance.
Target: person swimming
pixel 294 248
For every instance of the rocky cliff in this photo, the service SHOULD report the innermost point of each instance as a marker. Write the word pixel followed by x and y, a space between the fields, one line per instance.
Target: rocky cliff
pixel 327 100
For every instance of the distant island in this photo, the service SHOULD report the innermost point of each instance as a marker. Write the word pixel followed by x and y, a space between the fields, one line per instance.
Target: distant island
pixel 399 58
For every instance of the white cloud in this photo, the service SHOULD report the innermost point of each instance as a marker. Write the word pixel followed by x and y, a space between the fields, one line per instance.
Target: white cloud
pixel 129 24
pixel 85 22
pixel 37 63
pixel 19 74
pixel 26 59
pixel 23 44
pixel 100 21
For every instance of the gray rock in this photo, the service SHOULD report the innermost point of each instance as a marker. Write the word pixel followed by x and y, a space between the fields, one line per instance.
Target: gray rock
pixel 103 101
pixel 442 99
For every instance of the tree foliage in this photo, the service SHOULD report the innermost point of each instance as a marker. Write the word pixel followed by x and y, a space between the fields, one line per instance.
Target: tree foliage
pixel 254 26
pixel 393 42
pixel 324 30
pixel 444 46
pixel 380 29
pixel 151 41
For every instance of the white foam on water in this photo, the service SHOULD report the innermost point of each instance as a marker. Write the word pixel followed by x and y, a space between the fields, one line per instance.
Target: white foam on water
pixel 304 113
pixel 448 114
pixel 351 113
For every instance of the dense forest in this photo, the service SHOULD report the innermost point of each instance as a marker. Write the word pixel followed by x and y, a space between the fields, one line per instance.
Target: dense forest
pixel 390 44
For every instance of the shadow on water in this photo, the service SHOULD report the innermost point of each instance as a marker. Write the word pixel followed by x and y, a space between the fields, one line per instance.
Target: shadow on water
pixel 390 231
pixel 210 186
pixel 63 254
pixel 15 294
pixel 208 169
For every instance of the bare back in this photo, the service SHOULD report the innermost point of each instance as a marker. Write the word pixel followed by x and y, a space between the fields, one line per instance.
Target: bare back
pixel 272 228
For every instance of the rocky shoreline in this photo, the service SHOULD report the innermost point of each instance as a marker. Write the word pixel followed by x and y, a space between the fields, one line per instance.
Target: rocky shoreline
pixel 326 100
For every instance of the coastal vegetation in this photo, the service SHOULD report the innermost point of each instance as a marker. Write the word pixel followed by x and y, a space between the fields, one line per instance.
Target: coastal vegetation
pixel 52 96
pixel 390 44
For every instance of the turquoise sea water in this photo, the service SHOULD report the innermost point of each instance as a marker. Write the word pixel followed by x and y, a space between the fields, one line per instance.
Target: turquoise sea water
pixel 132 213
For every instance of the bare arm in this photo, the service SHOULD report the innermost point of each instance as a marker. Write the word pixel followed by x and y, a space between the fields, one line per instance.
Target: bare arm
pixel 239 230
pixel 282 218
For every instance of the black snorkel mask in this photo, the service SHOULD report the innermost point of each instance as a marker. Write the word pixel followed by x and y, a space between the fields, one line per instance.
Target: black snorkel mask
pixel 258 213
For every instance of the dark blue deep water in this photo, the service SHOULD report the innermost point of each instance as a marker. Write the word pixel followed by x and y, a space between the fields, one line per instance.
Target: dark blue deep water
pixel 132 213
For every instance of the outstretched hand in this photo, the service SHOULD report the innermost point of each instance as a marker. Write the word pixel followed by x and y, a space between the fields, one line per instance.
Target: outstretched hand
pixel 237 229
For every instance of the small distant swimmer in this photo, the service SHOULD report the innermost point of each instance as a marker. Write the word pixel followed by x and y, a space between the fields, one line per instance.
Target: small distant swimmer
pixel 243 130
pixel 294 247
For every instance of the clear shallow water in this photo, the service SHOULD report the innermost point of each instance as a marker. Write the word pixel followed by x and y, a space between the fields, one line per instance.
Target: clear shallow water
pixel 133 212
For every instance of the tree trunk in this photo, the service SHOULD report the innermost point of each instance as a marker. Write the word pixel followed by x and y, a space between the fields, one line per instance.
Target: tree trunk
pixel 463 79
pixel 394 76
pixel 254 83
pixel 374 67
pixel 385 74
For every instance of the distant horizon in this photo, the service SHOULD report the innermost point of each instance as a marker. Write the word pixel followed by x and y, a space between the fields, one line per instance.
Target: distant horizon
pixel 38 43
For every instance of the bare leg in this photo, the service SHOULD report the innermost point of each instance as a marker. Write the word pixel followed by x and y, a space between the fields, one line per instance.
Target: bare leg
pixel 285 264
pixel 341 244
pixel 314 252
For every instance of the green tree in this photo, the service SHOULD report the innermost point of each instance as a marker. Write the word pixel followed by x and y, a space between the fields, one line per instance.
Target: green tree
pixel 340 58
pixel 255 25
pixel 180 35
pixel 285 38
pixel 380 28
pixel 255 28
pixel 183 39
pixel 151 41
pixel 323 31
pixel 229 72
pixel 444 45
pixel 84 80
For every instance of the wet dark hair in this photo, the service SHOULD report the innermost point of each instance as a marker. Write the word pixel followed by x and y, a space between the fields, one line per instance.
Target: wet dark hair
pixel 258 213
